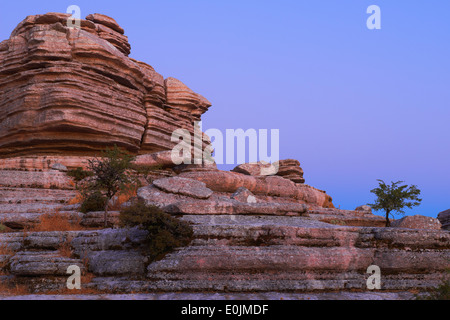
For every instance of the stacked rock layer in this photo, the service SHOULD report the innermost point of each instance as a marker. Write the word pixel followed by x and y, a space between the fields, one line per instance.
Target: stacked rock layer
pixel 67 90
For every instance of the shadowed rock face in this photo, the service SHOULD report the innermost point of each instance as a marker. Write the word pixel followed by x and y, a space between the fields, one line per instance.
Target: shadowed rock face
pixel 444 218
pixel 74 91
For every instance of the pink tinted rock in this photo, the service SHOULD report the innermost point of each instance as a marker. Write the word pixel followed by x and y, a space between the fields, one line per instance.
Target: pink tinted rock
pixel 244 195
pixel 183 186
pixel 79 92
pixel 417 222
pixel 229 182
pixel 106 21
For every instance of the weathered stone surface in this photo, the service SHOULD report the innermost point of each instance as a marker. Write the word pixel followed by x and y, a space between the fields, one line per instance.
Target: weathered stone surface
pixel 106 21
pixel 22 207
pixel 97 219
pixel 116 262
pixel 347 217
pixel 261 168
pixel 35 179
pixel 162 158
pixel 43 163
pixel 233 207
pixel 364 208
pixel 417 222
pixel 156 197
pixel 179 95
pixel 244 195
pixel 67 93
pixel 108 239
pixel 290 169
pixel 444 218
pixel 59 167
pixel 183 186
pixel 224 296
pixel 41 264
pixel 222 181
pixel 216 204
pixel 79 92
pixel 245 254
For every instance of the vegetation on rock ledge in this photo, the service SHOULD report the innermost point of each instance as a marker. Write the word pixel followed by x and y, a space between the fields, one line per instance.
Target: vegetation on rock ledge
pixel 395 198
pixel 165 232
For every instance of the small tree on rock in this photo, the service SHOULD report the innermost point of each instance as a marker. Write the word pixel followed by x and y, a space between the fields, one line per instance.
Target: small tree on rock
pixel 111 174
pixel 395 198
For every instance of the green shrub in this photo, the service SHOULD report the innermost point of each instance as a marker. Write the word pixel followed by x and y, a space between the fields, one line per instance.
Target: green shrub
pixel 165 232
pixel 79 174
pixel 442 292
pixel 95 201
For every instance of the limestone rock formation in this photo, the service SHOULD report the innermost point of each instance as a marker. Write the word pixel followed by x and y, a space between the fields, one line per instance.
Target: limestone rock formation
pixel 444 218
pixel 364 208
pixel 235 254
pixel 272 186
pixel 183 186
pixel 73 91
pixel 67 93
pixel 289 169
pixel 244 195
pixel 417 222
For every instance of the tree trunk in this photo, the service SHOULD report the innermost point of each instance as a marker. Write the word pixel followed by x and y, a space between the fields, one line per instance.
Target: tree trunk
pixel 106 214
pixel 388 222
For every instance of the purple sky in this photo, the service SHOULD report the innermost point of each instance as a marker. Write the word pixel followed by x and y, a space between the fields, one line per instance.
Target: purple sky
pixel 353 105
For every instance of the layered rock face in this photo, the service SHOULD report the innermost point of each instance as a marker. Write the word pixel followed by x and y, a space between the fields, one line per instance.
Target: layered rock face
pixel 235 254
pixel 75 90
pixel 289 169
pixel 67 93
pixel 444 218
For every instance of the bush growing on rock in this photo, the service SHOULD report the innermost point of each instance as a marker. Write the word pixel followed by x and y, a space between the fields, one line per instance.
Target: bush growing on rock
pixel 165 232
pixel 95 201
pixel 79 174
pixel 110 176
pixel 3 228
pixel 441 292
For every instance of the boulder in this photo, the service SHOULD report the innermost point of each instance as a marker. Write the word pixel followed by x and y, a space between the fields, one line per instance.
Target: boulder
pixel 444 218
pixel 417 222
pixel 183 186
pixel 261 168
pixel 59 167
pixel 365 209
pixel 244 195
pixel 116 262
pixel 290 169
pixel 273 186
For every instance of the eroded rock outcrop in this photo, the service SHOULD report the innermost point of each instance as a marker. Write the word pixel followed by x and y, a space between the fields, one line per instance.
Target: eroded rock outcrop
pixel 67 93
pixel 75 90
pixel 444 218
pixel 289 169
pixel 417 222
pixel 235 254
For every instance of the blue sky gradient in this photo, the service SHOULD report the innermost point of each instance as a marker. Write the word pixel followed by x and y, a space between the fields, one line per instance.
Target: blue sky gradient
pixel 353 105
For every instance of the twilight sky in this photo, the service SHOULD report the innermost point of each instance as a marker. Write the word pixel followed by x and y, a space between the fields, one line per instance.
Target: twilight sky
pixel 353 105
